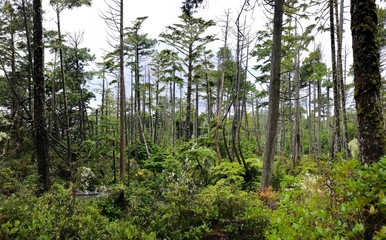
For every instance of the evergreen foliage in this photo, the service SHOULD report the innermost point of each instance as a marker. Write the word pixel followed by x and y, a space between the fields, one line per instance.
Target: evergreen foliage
pixel 187 138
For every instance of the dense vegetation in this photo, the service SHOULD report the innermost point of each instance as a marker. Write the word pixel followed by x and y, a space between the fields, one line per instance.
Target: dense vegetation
pixel 182 153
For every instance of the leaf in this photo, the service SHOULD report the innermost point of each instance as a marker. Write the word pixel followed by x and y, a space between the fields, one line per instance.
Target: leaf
pixel 358 228
pixel 372 210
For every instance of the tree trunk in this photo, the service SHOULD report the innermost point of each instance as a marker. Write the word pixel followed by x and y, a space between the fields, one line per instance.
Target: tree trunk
pixel 336 132
pixel 318 134
pixel 339 68
pixel 122 99
pixel 29 49
pixel 367 80
pixel 274 97
pixel 155 128
pixel 188 131
pixel 196 122
pixel 367 84
pixel 309 121
pixel 296 147
pixel 63 81
pixel 328 122
pixel 220 91
pixel 41 138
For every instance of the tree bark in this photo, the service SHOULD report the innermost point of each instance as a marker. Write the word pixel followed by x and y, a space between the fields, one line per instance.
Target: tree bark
pixel 188 132
pixel 336 133
pixel 41 138
pixel 339 68
pixel 309 121
pixel 296 147
pixel 29 49
pixel 122 100
pixel 367 80
pixel 63 82
pixel 274 97
pixel 220 91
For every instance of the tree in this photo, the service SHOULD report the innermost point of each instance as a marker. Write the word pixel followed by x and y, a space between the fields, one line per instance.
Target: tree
pixel 114 21
pixel 189 5
pixel 220 86
pixel 367 80
pixel 314 69
pixel 59 6
pixel 274 96
pixel 340 78
pixel 140 47
pixel 367 84
pixel 41 138
pixel 187 40
pixel 336 143
pixel 16 69
pixel 75 61
pixel 165 65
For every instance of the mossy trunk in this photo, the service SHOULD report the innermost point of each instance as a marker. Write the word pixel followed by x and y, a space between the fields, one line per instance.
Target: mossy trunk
pixel 367 80
pixel 41 137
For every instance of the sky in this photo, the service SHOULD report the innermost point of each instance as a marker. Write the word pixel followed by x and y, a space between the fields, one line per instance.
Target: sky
pixel 161 13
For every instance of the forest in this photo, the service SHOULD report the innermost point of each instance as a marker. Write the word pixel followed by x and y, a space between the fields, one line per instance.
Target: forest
pixel 276 134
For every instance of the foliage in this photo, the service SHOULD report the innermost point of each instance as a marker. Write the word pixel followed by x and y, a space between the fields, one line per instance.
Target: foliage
pixel 334 206
pixel 59 215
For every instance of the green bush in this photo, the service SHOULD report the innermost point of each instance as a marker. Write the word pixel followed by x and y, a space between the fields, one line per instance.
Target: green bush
pixel 58 215
pixel 347 203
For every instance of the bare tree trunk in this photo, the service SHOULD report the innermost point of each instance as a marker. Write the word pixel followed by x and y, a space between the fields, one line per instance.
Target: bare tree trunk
pixel 220 92
pixel 318 133
pixel 296 146
pixel 274 97
pixel 29 49
pixel 63 81
pixel 122 99
pixel 244 110
pixel 188 131
pixel 208 95
pixel 258 131
pixel 196 122
pixel 328 122
pixel 309 120
pixel 339 34
pixel 336 133
pixel 156 121
pixel 41 138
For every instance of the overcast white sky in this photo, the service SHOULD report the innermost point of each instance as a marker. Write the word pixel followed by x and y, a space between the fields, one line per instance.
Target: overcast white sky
pixel 161 13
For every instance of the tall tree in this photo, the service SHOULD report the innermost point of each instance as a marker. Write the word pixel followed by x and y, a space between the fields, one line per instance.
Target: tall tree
pixel 59 6
pixel 41 138
pixel 339 69
pixel 115 62
pixel 367 80
pixel 220 86
pixel 75 61
pixel 186 38
pixel 122 94
pixel 336 143
pixel 274 96
pixel 139 46
pixel 367 84
pixel 16 70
